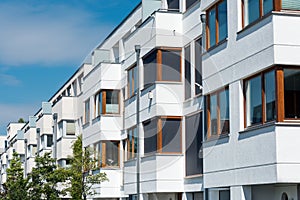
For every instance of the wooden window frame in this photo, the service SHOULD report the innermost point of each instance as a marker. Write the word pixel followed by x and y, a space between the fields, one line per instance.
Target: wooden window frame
pixel 130 153
pixel 207 29
pixel 276 7
pixel 103 103
pixel 159 134
pixel 130 72
pixel 102 154
pixel 279 96
pixel 208 114
pixel 158 51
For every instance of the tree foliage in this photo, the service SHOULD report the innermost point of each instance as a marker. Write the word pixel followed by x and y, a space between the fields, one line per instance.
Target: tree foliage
pixel 16 184
pixel 81 165
pixel 47 179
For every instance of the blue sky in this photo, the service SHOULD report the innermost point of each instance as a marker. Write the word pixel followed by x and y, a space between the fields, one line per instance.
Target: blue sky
pixel 43 42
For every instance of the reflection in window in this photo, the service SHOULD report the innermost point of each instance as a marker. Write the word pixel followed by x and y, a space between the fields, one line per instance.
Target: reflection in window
pixel 255 9
pixel 292 93
pixel 187 71
pixel 107 102
pixel 254 101
pixel 217 23
pixel 132 143
pixel 218 113
pixel 198 66
pixel 107 153
pixel 87 111
pixel 270 97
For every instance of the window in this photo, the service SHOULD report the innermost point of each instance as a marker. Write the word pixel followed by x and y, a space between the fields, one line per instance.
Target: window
pixel 260 99
pixel 70 127
pixel 255 9
pixel 87 111
pixel 292 93
pixel 216 23
pixel 190 3
pixel 108 153
pixel 198 66
pixel 173 4
pixel 193 144
pixel 162 65
pixel 131 81
pixel 290 4
pixel 107 102
pixel 187 71
pixel 218 113
pixel 224 195
pixel 132 143
pixel 49 140
pixel 162 135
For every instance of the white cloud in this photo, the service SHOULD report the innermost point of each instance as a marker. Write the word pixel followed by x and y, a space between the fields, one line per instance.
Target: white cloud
pixel 47 35
pixel 11 113
pixel 9 80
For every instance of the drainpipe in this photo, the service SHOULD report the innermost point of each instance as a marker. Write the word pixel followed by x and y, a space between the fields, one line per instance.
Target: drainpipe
pixel 203 21
pixel 55 137
pixel 25 161
pixel 138 94
pixel 38 135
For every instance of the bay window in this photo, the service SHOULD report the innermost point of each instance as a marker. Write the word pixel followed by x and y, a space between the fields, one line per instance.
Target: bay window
pixel 260 98
pixel 162 65
pixel 107 102
pixel 108 153
pixel 218 113
pixel 292 93
pixel 162 135
pixel 216 25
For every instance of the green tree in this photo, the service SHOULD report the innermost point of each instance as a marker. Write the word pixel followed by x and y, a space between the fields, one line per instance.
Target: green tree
pixel 21 120
pixel 81 165
pixel 47 179
pixel 16 184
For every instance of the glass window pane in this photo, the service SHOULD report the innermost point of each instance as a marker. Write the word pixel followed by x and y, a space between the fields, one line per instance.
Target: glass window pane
pixel 212 27
pixel 224 195
pixel 150 136
pixel 270 96
pixel 222 19
pixel 224 111
pixel 187 71
pixel 173 4
pixel 70 128
pixel 171 65
pixel 130 82
pixel 112 153
pixel 112 101
pixel 150 68
pixel 100 110
pixel 87 111
pixel 292 93
pixel 49 140
pixel 251 11
pixel 171 135
pixel 198 66
pixel 268 6
pixel 135 141
pixel 134 82
pixel 254 101
pixel 213 115
pixel 193 145
pixel 189 3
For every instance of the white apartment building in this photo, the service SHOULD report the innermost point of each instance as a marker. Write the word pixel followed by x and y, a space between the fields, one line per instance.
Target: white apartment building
pixel 184 100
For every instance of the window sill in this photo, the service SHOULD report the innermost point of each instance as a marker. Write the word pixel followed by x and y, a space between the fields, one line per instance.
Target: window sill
pixel 217 137
pixel 84 126
pixel 257 126
pixel 224 41
pixel 252 24
pixel 194 176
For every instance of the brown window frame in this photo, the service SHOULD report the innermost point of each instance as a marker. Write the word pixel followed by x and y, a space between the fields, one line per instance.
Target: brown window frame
pixel 103 105
pixel 130 72
pixel 101 156
pixel 276 7
pixel 159 135
pixel 207 28
pixel 87 119
pixel 159 63
pixel 208 115
pixel 131 153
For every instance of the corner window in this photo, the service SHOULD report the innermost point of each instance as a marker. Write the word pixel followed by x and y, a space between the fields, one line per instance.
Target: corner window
pixel 255 9
pixel 216 26
pixel 162 65
pixel 108 153
pixel 162 135
pixel 292 93
pixel 107 102
pixel 132 143
pixel 131 81
pixel 87 111
pixel 218 113
pixel 260 96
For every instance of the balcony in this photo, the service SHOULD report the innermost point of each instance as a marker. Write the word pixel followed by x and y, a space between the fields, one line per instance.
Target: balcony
pixel 159 173
pixel 64 148
pixel 66 108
